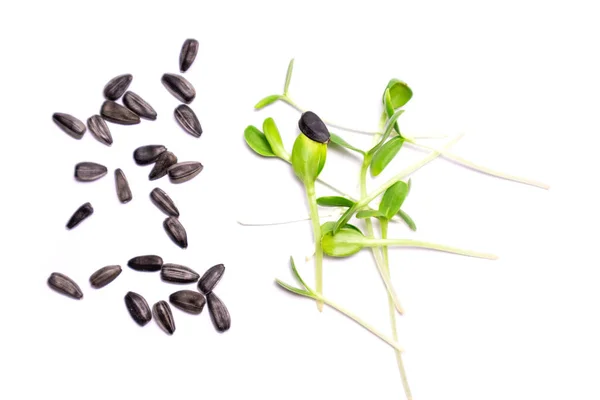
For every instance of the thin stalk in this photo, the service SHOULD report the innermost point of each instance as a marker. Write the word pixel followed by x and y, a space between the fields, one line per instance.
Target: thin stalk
pixel 477 167
pixel 370 241
pixel 376 252
pixel 314 216
pixel 386 268
pixel 249 221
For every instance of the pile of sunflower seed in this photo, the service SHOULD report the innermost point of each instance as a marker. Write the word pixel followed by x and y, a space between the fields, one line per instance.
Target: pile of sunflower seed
pixel 165 163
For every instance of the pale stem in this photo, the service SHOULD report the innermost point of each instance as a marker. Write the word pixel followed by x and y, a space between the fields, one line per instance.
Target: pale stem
pixel 314 213
pixel 250 221
pixel 477 167
pixel 368 242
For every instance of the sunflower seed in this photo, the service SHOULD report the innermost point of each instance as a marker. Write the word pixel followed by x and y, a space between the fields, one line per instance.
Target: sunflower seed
pixel 188 54
pixel 100 130
pixel 104 276
pixel 313 127
pixel 123 190
pixel 118 114
pixel 179 87
pixel 163 316
pixel 89 171
pixel 71 125
pixel 82 213
pixel 148 154
pixel 210 278
pixel 139 106
pixel 117 86
pixel 176 232
pixel 164 202
pixel 148 263
pixel 218 312
pixel 178 274
pixel 163 163
pixel 188 301
pixel 188 120
pixel 138 308
pixel 184 171
pixel 65 285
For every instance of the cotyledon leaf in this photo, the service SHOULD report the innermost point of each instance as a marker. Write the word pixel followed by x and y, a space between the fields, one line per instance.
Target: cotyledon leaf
pixel 274 138
pixel 334 201
pixel 409 221
pixel 341 142
pixel 392 199
pixel 288 76
pixel 385 155
pixel 369 214
pixel 267 101
pixel 258 142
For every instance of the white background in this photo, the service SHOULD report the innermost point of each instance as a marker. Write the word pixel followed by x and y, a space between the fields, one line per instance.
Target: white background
pixel 520 78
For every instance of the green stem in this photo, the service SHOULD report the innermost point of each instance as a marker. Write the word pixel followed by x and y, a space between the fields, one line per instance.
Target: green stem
pixel 370 241
pixel 386 267
pixel 376 253
pixel 477 167
pixel 314 216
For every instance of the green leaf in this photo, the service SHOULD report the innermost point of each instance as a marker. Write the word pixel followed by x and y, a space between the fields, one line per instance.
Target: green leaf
pixel 297 275
pixel 354 228
pixel 386 133
pixel 345 243
pixel 293 289
pixel 400 93
pixel 308 158
pixel 267 101
pixel 258 142
pixel 385 155
pixel 288 77
pixel 392 199
pixel 369 214
pixel 408 220
pixel 274 138
pixel 389 109
pixel 341 142
pixel 334 201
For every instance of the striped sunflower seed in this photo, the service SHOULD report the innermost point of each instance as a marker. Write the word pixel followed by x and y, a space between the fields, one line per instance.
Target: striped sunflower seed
pixel 138 308
pixel 118 114
pixel 117 86
pixel 65 285
pixel 82 213
pixel 139 106
pixel 188 301
pixel 186 117
pixel 184 171
pixel 69 124
pixel 179 87
pixel 164 161
pixel 164 202
pixel 164 317
pixel 89 171
pixel 210 278
pixel 100 130
pixel 218 312
pixel 188 54
pixel 149 263
pixel 148 154
pixel 104 276
pixel 123 190
pixel 178 274
pixel 176 232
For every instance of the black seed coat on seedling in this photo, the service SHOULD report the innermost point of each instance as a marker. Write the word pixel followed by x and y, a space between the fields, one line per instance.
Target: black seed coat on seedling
pixel 313 127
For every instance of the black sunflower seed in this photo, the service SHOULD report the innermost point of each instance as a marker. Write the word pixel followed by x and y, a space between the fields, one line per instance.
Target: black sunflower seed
pixel 118 114
pixel 313 127
pixel 82 213
pixel 148 154
pixel 184 171
pixel 176 232
pixel 139 106
pixel 210 278
pixel 218 312
pixel 164 202
pixel 188 54
pixel 123 190
pixel 104 276
pixel 68 123
pixel 89 171
pixel 186 117
pixel 188 301
pixel 164 317
pixel 65 285
pixel 117 86
pixel 178 274
pixel 100 130
pixel 138 308
pixel 163 163
pixel 149 263
pixel 179 87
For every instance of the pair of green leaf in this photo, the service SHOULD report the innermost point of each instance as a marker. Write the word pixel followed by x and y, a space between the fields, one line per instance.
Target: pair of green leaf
pixel 274 97
pixel 267 144
pixel 392 200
